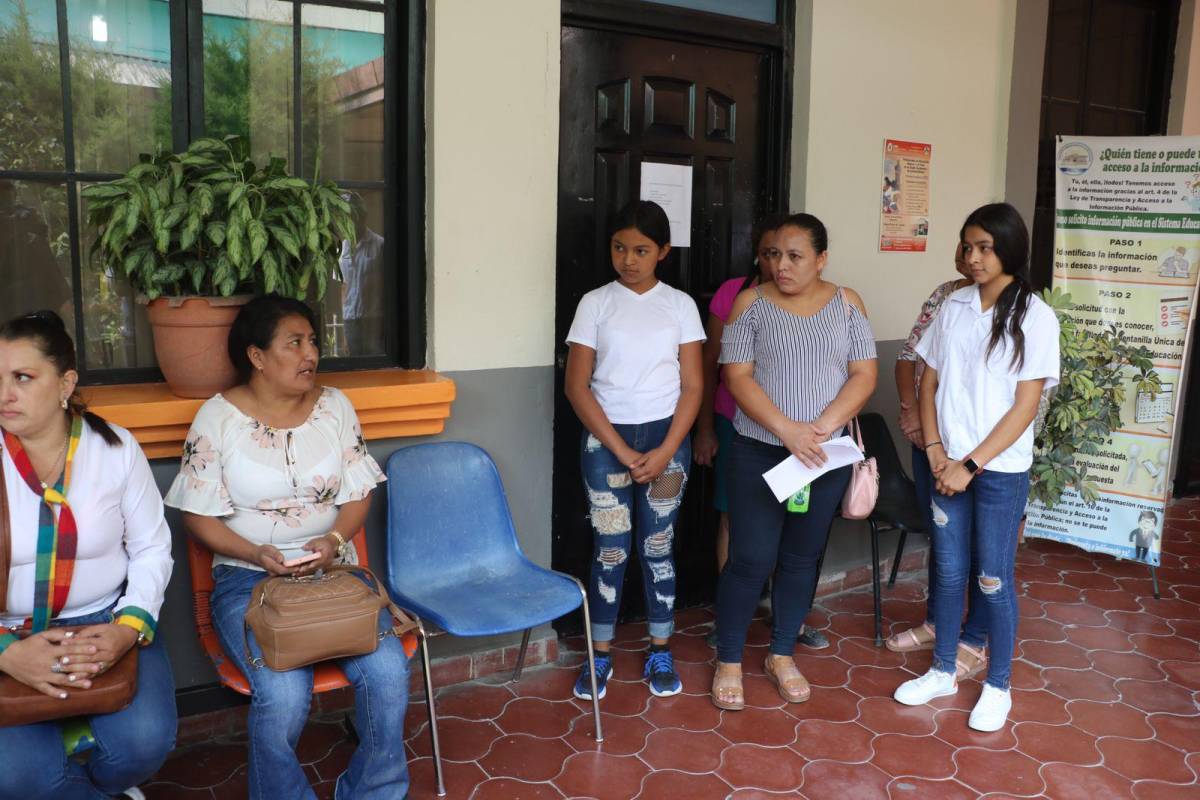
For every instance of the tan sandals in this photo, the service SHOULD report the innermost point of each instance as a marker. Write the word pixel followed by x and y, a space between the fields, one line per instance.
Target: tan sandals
pixel 792 686
pixel 921 637
pixel 727 690
pixel 970 661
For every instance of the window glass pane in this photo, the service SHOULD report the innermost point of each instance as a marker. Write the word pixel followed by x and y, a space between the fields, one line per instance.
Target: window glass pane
pixel 248 74
pixel 352 312
pixel 120 81
pixel 31 120
pixel 757 10
pixel 35 253
pixel 114 323
pixel 341 77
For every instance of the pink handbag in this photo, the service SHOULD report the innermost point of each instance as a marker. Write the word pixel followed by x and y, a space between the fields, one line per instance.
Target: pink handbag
pixel 863 491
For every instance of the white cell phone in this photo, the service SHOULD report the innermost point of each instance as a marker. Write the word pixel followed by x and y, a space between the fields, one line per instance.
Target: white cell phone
pixel 295 562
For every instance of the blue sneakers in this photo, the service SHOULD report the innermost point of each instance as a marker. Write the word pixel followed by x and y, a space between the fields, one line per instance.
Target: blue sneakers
pixel 583 686
pixel 660 673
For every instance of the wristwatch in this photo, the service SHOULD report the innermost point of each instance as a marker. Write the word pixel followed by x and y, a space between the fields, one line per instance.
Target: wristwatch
pixel 971 466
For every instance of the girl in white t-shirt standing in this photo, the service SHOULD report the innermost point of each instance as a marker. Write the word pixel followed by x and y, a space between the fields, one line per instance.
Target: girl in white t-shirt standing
pixel 991 352
pixel 634 378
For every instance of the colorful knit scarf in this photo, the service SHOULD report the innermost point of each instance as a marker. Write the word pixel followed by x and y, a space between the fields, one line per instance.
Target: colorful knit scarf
pixel 57 535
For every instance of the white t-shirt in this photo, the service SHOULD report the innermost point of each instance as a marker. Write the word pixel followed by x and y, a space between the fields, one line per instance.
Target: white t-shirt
pixel 975 391
pixel 636 338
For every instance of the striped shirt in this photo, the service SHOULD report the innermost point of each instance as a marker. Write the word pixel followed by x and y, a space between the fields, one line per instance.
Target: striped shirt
pixel 800 362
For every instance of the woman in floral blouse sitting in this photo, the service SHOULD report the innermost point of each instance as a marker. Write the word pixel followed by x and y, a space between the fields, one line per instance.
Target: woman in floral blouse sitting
pixel 275 471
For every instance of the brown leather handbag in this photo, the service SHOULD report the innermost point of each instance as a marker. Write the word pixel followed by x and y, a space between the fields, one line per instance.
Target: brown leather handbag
pixel 24 705
pixel 300 621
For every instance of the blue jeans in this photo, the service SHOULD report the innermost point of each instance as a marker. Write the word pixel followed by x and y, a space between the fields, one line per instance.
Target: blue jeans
pixel 764 537
pixel 279 704
pixel 614 502
pixel 974 630
pixel 131 744
pixel 980 526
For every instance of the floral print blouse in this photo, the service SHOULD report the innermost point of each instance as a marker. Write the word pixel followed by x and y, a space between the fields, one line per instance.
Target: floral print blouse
pixel 929 310
pixel 279 486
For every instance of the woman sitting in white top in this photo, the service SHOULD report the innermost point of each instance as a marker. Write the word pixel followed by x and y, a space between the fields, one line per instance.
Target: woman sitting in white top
pixel 89 546
pixel 275 470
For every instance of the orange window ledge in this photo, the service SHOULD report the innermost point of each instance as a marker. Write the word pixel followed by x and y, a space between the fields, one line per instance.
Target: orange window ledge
pixel 390 403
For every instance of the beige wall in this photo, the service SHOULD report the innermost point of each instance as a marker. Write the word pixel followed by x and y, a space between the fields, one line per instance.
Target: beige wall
pixel 492 93
pixel 934 71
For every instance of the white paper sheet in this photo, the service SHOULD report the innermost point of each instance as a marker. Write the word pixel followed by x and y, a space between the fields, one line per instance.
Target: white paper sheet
pixel 790 475
pixel 670 185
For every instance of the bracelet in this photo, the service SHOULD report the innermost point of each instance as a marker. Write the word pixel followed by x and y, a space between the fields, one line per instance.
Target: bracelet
pixel 341 540
pixel 343 548
pixel 931 444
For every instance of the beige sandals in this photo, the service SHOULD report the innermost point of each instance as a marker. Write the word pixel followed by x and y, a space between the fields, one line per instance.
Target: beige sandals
pixel 919 638
pixel 792 686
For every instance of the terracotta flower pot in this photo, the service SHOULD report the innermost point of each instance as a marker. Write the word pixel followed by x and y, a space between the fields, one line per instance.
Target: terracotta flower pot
pixel 190 341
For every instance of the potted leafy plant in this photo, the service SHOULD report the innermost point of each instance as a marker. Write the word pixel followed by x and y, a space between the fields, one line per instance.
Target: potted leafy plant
pixel 197 233
pixel 1085 407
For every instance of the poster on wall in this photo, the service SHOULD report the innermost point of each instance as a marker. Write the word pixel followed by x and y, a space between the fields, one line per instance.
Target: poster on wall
pixel 1127 249
pixel 904 197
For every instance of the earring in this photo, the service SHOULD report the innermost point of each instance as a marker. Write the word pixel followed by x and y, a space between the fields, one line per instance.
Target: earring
pixel 64 404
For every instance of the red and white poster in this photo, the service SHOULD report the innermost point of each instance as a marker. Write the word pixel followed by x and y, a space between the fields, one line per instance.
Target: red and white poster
pixel 904 197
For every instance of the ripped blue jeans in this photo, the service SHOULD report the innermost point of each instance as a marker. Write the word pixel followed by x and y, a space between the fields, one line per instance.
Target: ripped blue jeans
pixel 615 503
pixel 978 527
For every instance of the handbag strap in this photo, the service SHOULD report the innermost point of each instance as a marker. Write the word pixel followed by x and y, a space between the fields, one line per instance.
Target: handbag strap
pixel 5 538
pixel 402 622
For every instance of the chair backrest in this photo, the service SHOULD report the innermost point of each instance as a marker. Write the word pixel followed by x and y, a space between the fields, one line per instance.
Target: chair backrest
pixel 448 516
pixel 200 560
pixel 878 443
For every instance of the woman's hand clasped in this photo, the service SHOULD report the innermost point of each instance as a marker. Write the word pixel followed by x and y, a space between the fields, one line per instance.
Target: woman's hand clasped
pixel 953 478
pixel 803 440
pixel 55 661
pixel 651 465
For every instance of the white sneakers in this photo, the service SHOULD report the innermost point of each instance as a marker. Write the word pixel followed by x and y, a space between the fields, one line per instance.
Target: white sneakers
pixel 991 710
pixel 919 691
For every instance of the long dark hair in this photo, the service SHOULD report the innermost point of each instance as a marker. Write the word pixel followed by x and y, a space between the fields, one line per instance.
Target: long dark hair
pixel 1010 243
pixel 766 225
pixel 48 333
pixel 255 325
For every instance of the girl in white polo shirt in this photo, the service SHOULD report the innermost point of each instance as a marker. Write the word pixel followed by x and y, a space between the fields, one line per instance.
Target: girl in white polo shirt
pixel 634 378
pixel 990 354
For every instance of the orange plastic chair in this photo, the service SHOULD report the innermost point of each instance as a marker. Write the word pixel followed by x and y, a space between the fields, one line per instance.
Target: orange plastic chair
pixel 327 676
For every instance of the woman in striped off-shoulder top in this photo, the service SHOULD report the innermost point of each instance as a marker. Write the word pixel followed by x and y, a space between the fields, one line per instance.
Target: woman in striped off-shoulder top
pixel 800 361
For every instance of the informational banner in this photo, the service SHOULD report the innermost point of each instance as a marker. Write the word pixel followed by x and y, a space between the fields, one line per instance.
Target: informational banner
pixel 904 196
pixel 1127 249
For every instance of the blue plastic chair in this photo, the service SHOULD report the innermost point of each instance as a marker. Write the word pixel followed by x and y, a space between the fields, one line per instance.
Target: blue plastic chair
pixel 453 557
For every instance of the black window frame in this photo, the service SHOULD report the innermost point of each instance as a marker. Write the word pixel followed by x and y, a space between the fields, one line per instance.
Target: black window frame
pixel 402 182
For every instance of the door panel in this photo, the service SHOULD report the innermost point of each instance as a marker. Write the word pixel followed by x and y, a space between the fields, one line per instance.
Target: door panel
pixel 626 98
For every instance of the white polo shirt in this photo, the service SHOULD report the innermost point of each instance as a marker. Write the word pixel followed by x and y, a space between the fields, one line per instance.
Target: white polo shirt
pixel 636 338
pixel 975 391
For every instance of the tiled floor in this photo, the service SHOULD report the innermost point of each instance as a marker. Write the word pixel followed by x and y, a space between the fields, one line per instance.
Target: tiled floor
pixel 1106 705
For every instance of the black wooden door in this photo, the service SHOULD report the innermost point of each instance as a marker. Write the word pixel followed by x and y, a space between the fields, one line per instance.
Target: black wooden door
pixel 626 99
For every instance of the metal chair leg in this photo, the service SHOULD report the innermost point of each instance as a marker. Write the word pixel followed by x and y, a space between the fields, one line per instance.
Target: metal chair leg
pixel 521 656
pixel 875 583
pixel 1154 578
pixel 896 560
pixel 591 659
pixel 429 704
